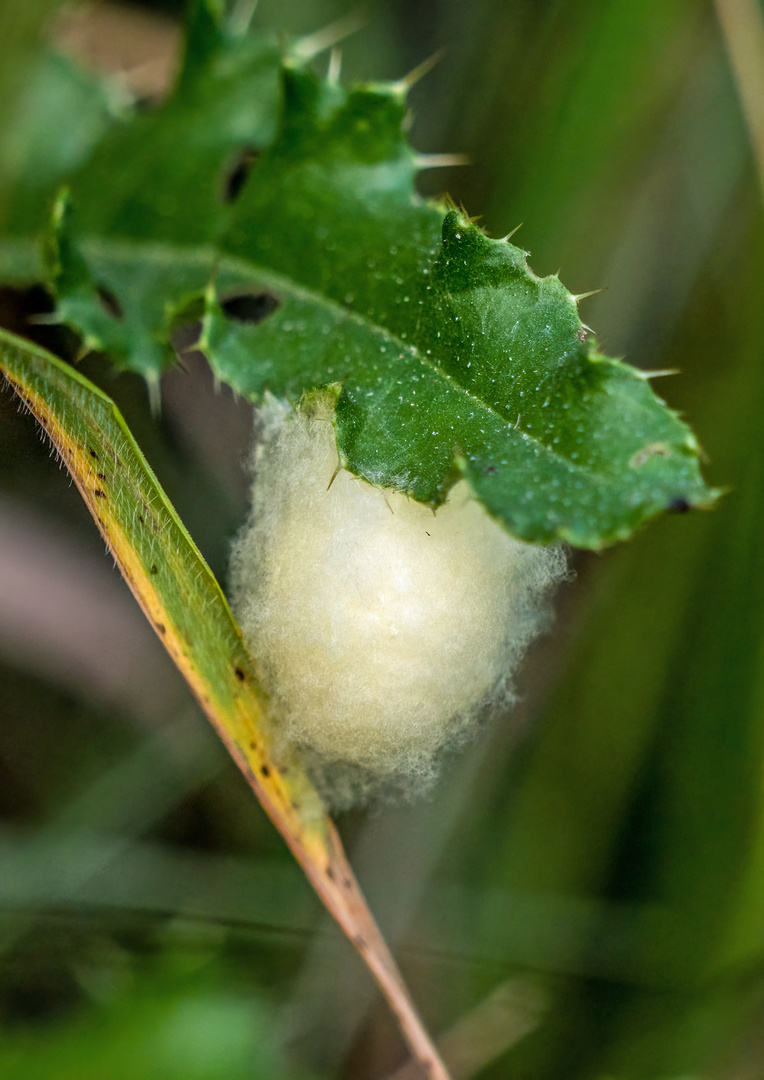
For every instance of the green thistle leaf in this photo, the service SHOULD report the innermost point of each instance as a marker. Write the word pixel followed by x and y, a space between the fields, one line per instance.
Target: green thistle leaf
pixel 280 207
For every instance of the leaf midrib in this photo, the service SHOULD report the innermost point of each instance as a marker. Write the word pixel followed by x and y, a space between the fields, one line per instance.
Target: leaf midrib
pixel 211 258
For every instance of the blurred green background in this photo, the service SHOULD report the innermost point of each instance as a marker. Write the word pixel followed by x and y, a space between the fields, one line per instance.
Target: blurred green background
pixel 584 896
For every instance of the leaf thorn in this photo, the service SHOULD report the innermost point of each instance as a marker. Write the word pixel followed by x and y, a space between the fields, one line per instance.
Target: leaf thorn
pixel 334 475
pixel 84 350
pixel 511 233
pixel 241 17
pixel 655 374
pixel 313 44
pixel 335 66
pixel 155 394
pixel 402 86
pixel 578 297
pixel 439 161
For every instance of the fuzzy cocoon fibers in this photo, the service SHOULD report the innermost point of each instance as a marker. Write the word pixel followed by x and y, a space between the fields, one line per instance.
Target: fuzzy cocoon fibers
pixel 382 631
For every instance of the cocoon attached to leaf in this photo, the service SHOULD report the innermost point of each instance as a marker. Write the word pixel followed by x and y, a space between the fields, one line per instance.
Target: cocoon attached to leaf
pixel 382 631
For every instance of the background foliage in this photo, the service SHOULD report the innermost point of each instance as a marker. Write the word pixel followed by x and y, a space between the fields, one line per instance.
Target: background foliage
pixel 597 864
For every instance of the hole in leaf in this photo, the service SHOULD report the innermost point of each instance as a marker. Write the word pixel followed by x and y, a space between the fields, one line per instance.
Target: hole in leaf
pixel 110 302
pixel 250 308
pixel 236 177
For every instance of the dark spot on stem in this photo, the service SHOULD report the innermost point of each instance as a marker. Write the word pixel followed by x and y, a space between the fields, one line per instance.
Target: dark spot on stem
pixel 99 494
pixel 239 674
pixel 237 174
pixel 110 303
pixel 140 518
pixel 161 628
pixel 93 454
pixel 265 770
pixel 154 570
pixel 250 308
pixel 101 476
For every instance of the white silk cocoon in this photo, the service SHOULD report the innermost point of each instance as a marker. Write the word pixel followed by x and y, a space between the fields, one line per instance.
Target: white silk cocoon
pixel 381 630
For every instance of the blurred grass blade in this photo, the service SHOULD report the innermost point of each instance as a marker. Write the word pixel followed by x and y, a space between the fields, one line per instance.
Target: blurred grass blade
pixel 480 1037
pixel 186 607
pixel 742 25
